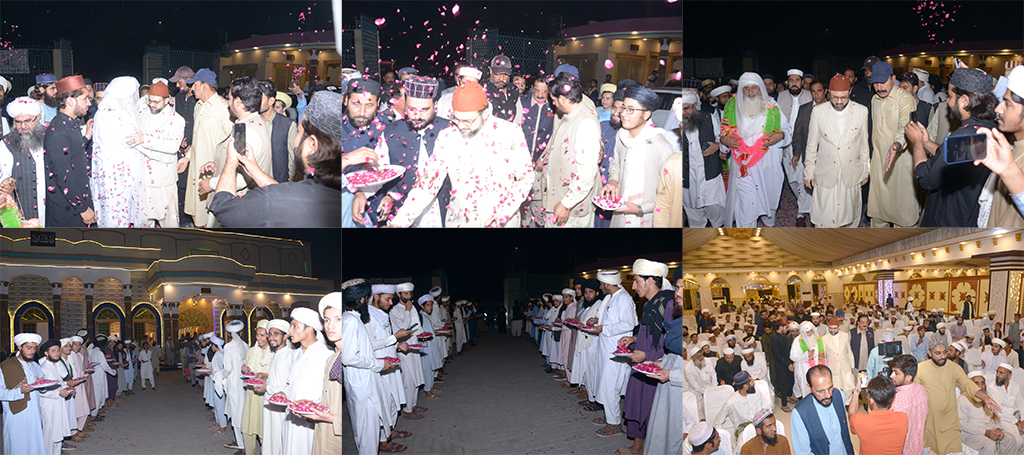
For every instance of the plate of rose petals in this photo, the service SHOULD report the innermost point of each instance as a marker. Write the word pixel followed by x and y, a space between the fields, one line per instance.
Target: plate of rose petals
pixel 278 400
pixel 306 407
pixel 572 322
pixel 649 369
pixel 203 371
pixel 376 176
pixel 393 360
pixel 587 327
pixel 42 383
pixel 417 346
pixel 79 379
pixel 609 203
pixel 92 364
pixel 253 382
pixel 248 375
pixel 426 335
pixel 90 370
pixel 623 352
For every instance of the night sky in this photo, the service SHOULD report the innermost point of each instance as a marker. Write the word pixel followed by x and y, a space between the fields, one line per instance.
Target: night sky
pixel 325 247
pixel 403 26
pixel 109 37
pixel 789 34
pixel 476 259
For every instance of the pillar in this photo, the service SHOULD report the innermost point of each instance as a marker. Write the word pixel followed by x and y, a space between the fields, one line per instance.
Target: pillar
pixel 1006 270
pixel 5 317
pixel 57 332
pixel 90 322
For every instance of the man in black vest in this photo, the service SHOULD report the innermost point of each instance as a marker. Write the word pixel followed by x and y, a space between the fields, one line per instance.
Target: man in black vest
pixel 185 106
pixel 25 146
pixel 705 199
pixel 408 143
pixel 537 119
pixel 819 420
pixel 282 133
pixel 68 200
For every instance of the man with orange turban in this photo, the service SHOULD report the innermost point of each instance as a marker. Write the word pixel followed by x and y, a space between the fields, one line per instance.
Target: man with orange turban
pixel 161 135
pixel 487 160
pixel 836 159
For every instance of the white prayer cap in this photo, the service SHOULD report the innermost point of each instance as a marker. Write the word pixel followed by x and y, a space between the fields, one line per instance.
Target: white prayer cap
pixel 64 341
pixel 746 351
pixel 403 287
pixel 611 277
pixel 425 298
pixel 131 342
pixel 1006 366
pixel 471 72
pixel 940 325
pixel 702 344
pixel 446 298
pixel 795 71
pixel 1016 81
pixel 160 79
pixel 77 338
pixel 5 83
pixel 24 105
pixel 922 75
pixel 963 345
pixel 721 90
pixel 435 291
pixel 332 300
pixel 262 324
pixel 217 341
pixel 793 325
pixel 728 351
pixel 908 327
pixel 308 317
pixel 546 297
pixel 557 297
pixel 114 337
pixel 700 433
pixel 694 350
pixel 734 81
pixel 644 267
pixel 727 337
pixel 234 326
pixel 1000 342
pixel 975 374
pixel 705 310
pixel 568 291
pixel 888 336
pixel 935 310
pixel 689 97
pixel 816 314
pixel 279 324
pixel 23 338
pixel 382 289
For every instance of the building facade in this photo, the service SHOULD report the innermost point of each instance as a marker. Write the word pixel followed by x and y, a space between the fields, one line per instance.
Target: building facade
pixel 282 58
pixel 635 48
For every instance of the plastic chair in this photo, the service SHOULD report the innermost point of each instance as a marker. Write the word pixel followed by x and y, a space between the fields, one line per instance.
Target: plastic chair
pixel 764 391
pixel 690 404
pixel 1017 377
pixel 714 401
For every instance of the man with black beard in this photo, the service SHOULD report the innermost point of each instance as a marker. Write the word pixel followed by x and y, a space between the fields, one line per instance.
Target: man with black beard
pixel 6 122
pixel 21 157
pixel 591 294
pixel 703 187
pixel 23 427
pixel 46 93
pixel 408 143
pixel 791 104
pixel 503 100
pixel 361 126
pixel 282 131
pixel 185 106
pixel 69 202
pixel 768 438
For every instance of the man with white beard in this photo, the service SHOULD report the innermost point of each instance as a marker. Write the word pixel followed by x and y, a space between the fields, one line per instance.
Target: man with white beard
pixel 837 161
pixel 21 157
pixel 385 342
pixel 703 187
pixel 280 363
pixel 755 130
pixel 807 351
pixel 700 374
pixel 403 317
pixel 790 103
pixel 839 358
pixel 619 318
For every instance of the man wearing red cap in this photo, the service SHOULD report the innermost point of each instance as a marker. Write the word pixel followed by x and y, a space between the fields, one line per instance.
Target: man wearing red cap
pixel 487 160
pixel 69 201
pixel 837 160
pixel 162 132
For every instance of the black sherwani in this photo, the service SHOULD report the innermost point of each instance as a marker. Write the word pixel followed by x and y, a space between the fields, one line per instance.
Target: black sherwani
pixel 67 173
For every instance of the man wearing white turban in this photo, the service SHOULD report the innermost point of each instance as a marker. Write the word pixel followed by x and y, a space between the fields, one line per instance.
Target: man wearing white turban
pixel 404 316
pixel 23 426
pixel 234 357
pixel 278 366
pixel 117 175
pixel 252 411
pixel 21 157
pixel 306 380
pixel 619 319
pixel 808 350
pixel 385 341
pixel 703 187
pixel 755 130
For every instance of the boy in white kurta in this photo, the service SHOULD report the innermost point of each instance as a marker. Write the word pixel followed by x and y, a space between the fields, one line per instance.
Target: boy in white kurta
pixel 278 368
pixel 23 428
pixel 306 380
pixel 404 316
pixel 618 321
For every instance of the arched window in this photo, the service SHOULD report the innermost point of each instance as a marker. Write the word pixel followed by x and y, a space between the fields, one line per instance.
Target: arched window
pixel 719 282
pixel 818 279
pixel 915 275
pixel 690 283
pixel 794 279
pixel 30 319
pixel 858 278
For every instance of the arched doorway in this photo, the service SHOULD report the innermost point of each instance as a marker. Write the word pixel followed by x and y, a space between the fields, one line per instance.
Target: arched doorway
pixel 108 319
pixel 34 317
pixel 146 323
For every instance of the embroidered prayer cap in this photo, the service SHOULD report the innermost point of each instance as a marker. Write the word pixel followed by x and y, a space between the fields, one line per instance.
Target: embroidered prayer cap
pixel 500 64
pixel 70 84
pixel 746 351
pixel 469 97
pixel 1005 366
pixel 567 68
pixel 1000 342
pixel 728 351
pixel 24 105
pixel 279 324
pixel 435 291
pixel 835 321
pixel 972 80
pixel 741 378
pixel 98 340
pixel 262 324
pixel 888 336
pixel 159 89
pixel 234 326
pixel 354 289
pixel 707 82
pixel 611 277
pixel 839 83
pixel 469 71
pixel 308 317
pixel 761 415
pixel 45 78
pixel 425 298
pixel 183 72
pixel 720 90
pixel 421 87
pixel 332 300
pixel 936 340
pixel 404 287
pixel 324 112
pixel 796 72
pixel 284 98
pixel 700 433
pixel 99 86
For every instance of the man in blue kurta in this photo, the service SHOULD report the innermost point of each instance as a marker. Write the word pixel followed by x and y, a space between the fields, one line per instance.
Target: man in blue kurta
pixel 23 426
pixel 818 423
pixel 361 125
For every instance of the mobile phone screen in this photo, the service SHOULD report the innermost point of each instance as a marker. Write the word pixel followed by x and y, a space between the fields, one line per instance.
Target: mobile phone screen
pixel 862 377
pixel 913 117
pixel 965 149
pixel 239 135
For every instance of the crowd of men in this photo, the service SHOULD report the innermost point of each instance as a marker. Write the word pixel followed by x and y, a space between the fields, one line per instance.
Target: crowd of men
pixel 581 359
pixel 89 376
pixel 532 153
pixel 293 360
pixel 927 391
pixel 81 154
pixel 863 148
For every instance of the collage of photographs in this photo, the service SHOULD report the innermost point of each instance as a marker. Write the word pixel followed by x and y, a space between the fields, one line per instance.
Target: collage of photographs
pixel 192 198
pixel 853 268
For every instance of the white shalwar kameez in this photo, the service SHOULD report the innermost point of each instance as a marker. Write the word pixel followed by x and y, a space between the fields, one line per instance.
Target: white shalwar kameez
pixel 364 394
pixel 437 322
pixel 385 344
pixel 219 395
pixel 99 378
pixel 548 348
pixel 305 382
pixel 618 321
pixel 583 340
pixel 65 370
pixel 460 329
pixel 116 176
pixel 231 377
pixel 412 370
pixel 163 134
pixel 593 366
pixel 273 415
pixel 667 425
pixel 704 200
pixel 431 360
pixel 146 368
pixel 78 362
pixel 23 432
pixel 53 409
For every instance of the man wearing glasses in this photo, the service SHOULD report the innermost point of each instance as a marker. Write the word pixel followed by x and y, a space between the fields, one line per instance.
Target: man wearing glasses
pixel 837 161
pixel 487 160
pixel 161 135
